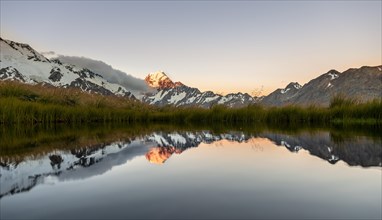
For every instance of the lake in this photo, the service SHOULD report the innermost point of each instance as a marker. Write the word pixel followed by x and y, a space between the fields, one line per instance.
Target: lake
pixel 172 172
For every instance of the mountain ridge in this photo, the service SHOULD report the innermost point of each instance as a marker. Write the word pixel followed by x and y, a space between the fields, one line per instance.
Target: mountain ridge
pixel 362 84
pixel 181 95
pixel 20 62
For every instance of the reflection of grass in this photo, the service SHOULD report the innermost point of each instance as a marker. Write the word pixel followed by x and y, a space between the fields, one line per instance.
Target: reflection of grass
pixel 340 133
pixel 16 142
pixel 25 104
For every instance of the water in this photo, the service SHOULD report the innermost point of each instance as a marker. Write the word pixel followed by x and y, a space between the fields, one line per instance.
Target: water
pixel 189 174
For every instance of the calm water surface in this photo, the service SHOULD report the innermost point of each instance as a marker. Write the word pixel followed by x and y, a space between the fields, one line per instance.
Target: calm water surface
pixel 196 174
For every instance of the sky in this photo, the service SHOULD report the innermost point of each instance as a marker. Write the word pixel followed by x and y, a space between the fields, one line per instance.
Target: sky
pixel 223 46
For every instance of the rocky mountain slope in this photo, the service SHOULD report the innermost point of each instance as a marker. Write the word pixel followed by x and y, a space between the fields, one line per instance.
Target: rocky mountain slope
pixel 20 62
pixel 178 94
pixel 362 84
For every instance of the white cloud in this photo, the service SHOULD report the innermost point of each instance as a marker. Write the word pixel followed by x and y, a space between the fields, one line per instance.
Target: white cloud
pixel 49 54
pixel 107 72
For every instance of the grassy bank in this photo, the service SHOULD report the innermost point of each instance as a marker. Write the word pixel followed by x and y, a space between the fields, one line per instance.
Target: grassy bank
pixel 25 104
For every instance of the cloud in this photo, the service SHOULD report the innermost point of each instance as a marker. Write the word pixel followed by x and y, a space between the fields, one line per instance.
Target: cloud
pixel 49 54
pixel 107 72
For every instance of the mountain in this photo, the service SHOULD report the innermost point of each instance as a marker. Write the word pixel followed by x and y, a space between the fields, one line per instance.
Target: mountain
pixel 20 62
pixel 362 84
pixel 178 94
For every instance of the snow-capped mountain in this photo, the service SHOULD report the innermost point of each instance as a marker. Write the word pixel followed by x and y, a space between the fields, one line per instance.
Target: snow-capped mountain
pixel 363 84
pixel 178 94
pixel 20 62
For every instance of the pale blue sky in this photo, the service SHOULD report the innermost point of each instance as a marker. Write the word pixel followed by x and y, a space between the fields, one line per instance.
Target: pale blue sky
pixel 224 46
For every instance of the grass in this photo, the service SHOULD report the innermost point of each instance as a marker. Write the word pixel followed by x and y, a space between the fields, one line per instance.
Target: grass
pixel 30 105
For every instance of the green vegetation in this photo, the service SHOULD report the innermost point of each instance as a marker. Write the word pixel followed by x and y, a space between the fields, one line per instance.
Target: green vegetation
pixel 25 104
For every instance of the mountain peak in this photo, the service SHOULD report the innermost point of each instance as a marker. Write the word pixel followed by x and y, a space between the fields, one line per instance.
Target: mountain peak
pixel 291 86
pixel 21 50
pixel 295 85
pixel 161 80
pixel 158 76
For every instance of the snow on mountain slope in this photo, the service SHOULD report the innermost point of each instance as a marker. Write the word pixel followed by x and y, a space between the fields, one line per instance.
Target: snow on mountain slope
pixel 21 50
pixel 20 62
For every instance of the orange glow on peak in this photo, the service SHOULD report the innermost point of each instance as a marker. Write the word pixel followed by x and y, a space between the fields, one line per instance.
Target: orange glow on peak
pixel 159 155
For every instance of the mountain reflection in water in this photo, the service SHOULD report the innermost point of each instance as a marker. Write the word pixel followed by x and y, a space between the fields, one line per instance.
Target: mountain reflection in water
pixel 157 147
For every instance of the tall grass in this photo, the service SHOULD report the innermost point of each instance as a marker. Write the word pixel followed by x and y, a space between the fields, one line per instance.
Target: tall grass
pixel 26 104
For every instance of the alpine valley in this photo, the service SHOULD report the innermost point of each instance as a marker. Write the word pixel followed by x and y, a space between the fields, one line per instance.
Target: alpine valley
pixel 20 62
